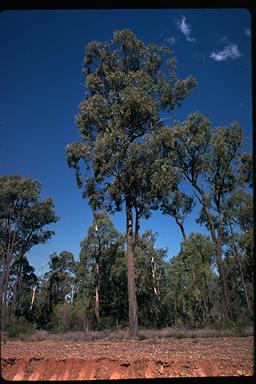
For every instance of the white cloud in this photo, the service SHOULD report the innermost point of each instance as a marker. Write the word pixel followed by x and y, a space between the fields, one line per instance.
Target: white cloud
pixel 247 31
pixel 185 28
pixel 231 51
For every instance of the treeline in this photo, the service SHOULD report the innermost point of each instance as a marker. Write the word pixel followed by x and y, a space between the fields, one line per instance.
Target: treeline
pixel 130 160
pixel 92 292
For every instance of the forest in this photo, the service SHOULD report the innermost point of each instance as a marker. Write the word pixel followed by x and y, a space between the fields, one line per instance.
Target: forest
pixel 132 159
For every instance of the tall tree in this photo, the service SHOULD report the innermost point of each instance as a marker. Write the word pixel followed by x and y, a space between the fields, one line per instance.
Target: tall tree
pixel 211 163
pixel 128 85
pixel 23 218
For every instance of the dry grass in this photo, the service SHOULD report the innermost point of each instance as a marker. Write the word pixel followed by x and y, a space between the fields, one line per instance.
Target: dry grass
pixel 188 333
pixel 122 334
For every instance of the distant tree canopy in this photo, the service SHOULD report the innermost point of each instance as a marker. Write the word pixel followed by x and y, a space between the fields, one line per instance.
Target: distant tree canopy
pixel 23 218
pixel 98 249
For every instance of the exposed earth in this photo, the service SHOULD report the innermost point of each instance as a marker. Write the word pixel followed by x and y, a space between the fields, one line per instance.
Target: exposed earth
pixel 122 359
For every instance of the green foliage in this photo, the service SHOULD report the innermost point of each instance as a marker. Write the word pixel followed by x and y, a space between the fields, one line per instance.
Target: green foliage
pixel 21 282
pixel 191 283
pixel 23 218
pixel 60 277
pixel 103 247
pixel 126 90
pixel 18 326
pixel 150 279
pixel 61 318
pixel 23 214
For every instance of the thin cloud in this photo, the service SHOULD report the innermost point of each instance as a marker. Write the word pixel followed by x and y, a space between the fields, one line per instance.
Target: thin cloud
pixel 247 32
pixel 231 51
pixel 170 40
pixel 185 28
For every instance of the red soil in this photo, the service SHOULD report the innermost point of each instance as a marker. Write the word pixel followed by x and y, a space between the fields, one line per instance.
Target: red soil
pixel 122 359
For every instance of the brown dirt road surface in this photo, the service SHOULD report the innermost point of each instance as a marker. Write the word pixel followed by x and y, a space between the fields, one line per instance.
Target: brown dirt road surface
pixel 122 359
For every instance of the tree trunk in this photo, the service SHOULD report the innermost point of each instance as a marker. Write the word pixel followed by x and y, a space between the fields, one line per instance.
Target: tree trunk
pixel 182 229
pixel 7 267
pixel 223 281
pixel 15 289
pixel 137 224
pixel 97 297
pixel 133 312
pixel 33 298
pixel 153 276
pixel 5 280
pixel 97 278
pixel 50 295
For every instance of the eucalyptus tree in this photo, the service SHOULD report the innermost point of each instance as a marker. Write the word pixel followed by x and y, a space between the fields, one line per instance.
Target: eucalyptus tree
pixel 238 238
pixel 102 241
pixel 60 277
pixel 128 85
pixel 211 161
pixel 150 278
pixel 23 218
pixel 190 293
pixel 22 280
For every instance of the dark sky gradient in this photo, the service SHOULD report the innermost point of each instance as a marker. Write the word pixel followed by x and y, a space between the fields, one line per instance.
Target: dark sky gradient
pixel 41 88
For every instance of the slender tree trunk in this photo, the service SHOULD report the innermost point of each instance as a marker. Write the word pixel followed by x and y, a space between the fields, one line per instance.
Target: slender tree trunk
pixel 133 311
pixel 17 286
pixel 153 271
pixel 50 295
pixel 182 229
pixel 97 297
pixel 5 281
pixel 33 298
pixel 223 280
pixel 6 271
pixel 15 289
pixel 97 278
pixel 137 224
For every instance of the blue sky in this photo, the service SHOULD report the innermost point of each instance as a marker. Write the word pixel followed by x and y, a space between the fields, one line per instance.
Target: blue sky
pixel 41 89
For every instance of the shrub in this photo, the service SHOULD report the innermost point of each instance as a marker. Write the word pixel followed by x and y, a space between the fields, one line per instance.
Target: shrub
pixel 18 326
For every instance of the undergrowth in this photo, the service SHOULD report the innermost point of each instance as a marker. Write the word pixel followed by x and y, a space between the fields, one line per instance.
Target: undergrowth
pixel 17 332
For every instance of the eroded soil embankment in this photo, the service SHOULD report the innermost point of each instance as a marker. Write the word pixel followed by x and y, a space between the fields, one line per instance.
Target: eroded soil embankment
pixel 78 369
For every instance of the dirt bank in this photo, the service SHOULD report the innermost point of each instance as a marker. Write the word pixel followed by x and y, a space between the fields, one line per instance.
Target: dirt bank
pixel 105 359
